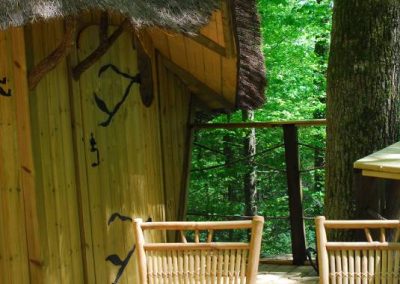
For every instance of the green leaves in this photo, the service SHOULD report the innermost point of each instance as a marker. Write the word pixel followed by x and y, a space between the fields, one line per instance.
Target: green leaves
pixel 295 42
pixel 293 32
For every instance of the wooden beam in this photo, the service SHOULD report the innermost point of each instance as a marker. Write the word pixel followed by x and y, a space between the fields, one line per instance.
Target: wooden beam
pixel 187 161
pixel 195 85
pixel 210 44
pixel 270 124
pixel 295 194
pixel 229 38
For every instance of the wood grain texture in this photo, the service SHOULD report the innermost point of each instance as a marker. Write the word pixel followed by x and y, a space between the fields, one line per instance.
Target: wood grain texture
pixel 54 162
pixel 384 163
pixel 225 262
pixel 371 261
pixel 215 69
pixel 129 177
pixel 174 107
pixel 14 255
pixel 55 206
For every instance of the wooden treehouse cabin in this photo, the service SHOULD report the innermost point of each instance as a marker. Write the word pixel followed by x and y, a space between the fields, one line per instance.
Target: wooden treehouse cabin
pixel 96 103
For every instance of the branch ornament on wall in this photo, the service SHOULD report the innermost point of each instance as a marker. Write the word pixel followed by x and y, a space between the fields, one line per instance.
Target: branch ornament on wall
pixel 114 258
pixel 53 59
pixel 106 41
pixel 3 92
pixel 100 102
pixel 94 149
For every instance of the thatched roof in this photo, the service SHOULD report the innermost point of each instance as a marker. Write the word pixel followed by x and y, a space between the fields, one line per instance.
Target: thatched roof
pixel 251 66
pixel 182 15
pixel 186 16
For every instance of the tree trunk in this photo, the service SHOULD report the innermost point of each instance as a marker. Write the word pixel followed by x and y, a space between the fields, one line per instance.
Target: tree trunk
pixel 229 159
pixel 250 178
pixel 362 96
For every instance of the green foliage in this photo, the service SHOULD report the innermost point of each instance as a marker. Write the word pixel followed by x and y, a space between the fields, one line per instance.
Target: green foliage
pixel 296 40
pixel 295 44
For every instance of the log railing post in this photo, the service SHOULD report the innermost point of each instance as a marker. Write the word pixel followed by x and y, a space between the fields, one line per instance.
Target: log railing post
pixel 295 194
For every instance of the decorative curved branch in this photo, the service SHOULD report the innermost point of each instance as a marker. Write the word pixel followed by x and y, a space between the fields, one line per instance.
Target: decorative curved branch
pixel 105 44
pixel 51 61
pixel 102 105
pixel 116 215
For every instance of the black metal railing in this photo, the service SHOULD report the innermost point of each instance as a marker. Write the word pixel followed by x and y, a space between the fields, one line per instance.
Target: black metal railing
pixel 288 163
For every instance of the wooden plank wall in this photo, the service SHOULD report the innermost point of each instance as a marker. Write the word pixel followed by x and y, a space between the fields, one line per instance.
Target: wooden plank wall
pixel 129 179
pixel 56 208
pixel 14 256
pixel 56 198
pixel 215 70
pixel 175 118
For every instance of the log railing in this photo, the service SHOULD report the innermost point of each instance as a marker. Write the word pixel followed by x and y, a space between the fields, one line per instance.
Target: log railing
pixel 293 175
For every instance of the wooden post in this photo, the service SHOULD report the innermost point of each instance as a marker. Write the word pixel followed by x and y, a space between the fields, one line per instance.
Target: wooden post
pixel 323 261
pixel 295 194
pixel 255 247
pixel 141 255
pixel 187 163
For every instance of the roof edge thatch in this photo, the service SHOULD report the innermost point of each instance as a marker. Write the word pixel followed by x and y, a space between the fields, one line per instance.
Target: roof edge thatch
pixel 186 16
pixel 251 81
pixel 182 16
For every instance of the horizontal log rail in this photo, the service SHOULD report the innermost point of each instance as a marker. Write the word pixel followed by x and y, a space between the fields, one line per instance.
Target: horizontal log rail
pixel 195 246
pixel 362 245
pixel 197 225
pixel 361 224
pixel 271 124
pixel 239 217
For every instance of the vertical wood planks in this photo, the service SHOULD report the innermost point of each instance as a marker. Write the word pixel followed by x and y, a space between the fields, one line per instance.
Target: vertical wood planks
pixel 371 265
pixel 390 266
pixel 54 161
pixel 396 266
pixel 378 264
pixel 345 267
pixel 174 118
pixel 128 180
pixel 27 177
pixel 208 66
pixel 351 267
pixel 332 268
pixel 54 205
pixel 359 262
pixel 14 255
pixel 358 267
pixel 384 268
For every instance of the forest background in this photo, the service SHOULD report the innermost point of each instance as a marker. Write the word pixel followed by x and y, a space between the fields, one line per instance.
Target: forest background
pixel 296 42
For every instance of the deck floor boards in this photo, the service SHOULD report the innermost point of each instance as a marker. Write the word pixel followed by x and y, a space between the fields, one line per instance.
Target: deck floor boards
pixel 286 274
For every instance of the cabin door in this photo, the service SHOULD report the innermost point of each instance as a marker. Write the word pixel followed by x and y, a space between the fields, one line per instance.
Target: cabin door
pixel 118 156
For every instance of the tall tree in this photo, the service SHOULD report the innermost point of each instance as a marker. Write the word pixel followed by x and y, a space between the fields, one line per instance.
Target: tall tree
pixel 362 94
pixel 250 178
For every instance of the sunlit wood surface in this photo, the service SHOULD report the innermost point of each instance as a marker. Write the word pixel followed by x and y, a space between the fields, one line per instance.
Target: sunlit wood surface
pixel 382 164
pixel 286 274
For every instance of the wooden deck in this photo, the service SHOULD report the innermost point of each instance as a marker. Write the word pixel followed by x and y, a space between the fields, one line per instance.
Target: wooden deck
pixel 286 274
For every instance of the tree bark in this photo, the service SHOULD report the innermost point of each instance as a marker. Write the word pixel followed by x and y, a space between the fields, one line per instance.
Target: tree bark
pixel 229 159
pixel 250 179
pixel 362 96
